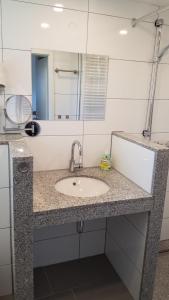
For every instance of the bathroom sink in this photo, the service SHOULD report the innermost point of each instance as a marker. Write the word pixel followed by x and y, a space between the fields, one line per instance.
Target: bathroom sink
pixel 81 186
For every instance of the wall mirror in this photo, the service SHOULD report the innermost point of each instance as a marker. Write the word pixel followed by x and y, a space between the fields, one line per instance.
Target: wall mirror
pixel 68 86
pixel 18 109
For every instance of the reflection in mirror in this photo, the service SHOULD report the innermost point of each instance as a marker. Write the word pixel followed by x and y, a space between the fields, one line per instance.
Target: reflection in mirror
pixel 18 109
pixel 68 86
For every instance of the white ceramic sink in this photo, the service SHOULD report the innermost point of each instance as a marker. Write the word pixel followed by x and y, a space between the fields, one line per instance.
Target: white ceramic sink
pixel 81 187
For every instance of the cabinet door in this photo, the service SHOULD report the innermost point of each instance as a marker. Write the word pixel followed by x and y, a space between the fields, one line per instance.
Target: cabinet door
pixel 53 251
pixel 92 243
pixel 4 208
pixel 4 166
pixel 96 224
pixel 5 281
pixel 50 232
pixel 5 247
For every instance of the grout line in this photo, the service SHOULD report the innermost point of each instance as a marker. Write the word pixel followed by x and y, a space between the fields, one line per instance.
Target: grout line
pixel 49 283
pixel 49 5
pixel 131 60
pixel 110 58
pixel 74 294
pixel 86 11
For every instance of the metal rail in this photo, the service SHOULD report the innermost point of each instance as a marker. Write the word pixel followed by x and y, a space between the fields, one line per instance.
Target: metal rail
pixel 156 59
pixel 66 71
pixel 156 12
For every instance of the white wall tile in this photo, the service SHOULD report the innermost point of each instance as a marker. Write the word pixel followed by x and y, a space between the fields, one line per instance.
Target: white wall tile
pixel 165 16
pixel 160 137
pixel 124 267
pixel 67 29
pixel 119 117
pixel 139 221
pixel 94 147
pixel 61 128
pixel 18 72
pixel 162 88
pixel 5 280
pixel 122 8
pixel 160 116
pixel 129 239
pixel 51 152
pixel 5 253
pixel 104 38
pixel 134 162
pixel 4 165
pixel 4 208
pixel 128 79
pixel 72 4
pixel 165 39
pixel 165 230
pixel 156 2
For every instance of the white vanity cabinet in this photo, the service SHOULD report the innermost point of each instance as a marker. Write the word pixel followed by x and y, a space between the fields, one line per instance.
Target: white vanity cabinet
pixel 61 243
pixel 5 239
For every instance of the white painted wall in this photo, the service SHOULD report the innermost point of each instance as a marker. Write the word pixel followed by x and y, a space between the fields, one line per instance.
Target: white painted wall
pixel 94 29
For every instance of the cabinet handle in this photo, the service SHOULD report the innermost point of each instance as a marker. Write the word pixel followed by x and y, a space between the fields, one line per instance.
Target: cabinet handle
pixel 80 226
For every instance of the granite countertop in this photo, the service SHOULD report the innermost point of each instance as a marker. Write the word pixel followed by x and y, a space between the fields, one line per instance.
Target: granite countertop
pixel 6 138
pixel 46 198
pixel 18 147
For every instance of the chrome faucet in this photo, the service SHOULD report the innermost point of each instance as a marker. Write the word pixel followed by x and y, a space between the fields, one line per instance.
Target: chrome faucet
pixel 73 163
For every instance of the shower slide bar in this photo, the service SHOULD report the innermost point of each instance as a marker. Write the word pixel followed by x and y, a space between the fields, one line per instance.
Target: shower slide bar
pixel 155 64
pixel 156 12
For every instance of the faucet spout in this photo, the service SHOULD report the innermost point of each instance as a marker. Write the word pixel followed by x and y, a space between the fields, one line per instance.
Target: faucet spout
pixel 73 164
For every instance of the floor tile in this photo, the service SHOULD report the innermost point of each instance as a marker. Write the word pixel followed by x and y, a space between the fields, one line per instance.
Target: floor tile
pixel 61 296
pixel 161 289
pixel 41 284
pixel 10 297
pixel 80 273
pixel 103 292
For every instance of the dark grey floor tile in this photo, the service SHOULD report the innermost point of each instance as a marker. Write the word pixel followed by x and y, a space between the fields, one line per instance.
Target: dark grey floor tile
pixel 80 273
pixel 7 297
pixel 111 291
pixel 161 289
pixel 42 287
pixel 61 296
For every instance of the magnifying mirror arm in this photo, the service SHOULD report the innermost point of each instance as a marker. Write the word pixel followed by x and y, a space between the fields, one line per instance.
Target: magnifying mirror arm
pixel 20 129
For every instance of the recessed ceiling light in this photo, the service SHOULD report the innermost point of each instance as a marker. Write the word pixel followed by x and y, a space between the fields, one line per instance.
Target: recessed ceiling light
pixel 45 25
pixel 123 32
pixel 58 7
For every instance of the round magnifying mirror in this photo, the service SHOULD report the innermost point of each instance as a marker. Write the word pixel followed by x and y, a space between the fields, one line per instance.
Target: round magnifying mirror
pixel 18 109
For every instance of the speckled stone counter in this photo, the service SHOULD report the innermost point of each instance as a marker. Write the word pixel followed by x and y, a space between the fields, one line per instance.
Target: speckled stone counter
pixel 51 207
pixel 21 187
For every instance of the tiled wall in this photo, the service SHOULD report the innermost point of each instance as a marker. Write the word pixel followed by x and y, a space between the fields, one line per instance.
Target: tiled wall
pixel 90 26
